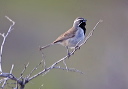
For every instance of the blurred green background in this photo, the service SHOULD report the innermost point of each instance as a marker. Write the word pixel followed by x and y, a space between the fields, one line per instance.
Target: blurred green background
pixel 103 59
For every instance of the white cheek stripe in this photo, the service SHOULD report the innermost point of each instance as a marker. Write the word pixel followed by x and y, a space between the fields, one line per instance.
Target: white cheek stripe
pixel 80 23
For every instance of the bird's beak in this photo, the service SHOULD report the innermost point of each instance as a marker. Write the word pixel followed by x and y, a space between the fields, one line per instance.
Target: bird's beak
pixel 85 20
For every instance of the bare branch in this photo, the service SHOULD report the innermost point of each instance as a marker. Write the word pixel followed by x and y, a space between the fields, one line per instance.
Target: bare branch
pixel 69 69
pixel 35 68
pixel 12 68
pixel 2 74
pixel 8 76
pixel 10 21
pixel 4 39
pixel 91 32
pixel 23 71
pixel 16 85
pixel 5 81
pixel 65 65
pixel 43 58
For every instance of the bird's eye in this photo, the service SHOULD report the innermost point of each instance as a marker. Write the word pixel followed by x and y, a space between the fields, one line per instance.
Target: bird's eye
pixel 82 21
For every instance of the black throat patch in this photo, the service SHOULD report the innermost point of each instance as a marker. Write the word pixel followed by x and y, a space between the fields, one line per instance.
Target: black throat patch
pixel 82 25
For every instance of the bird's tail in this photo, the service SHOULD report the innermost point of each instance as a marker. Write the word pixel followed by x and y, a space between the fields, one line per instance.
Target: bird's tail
pixel 46 46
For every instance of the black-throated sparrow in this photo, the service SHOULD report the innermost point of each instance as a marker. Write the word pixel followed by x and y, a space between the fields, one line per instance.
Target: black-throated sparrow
pixel 73 37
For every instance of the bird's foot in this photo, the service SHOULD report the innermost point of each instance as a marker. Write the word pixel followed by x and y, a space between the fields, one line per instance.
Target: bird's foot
pixel 69 54
pixel 77 47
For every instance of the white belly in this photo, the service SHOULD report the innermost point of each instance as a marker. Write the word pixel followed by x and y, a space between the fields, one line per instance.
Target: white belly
pixel 77 39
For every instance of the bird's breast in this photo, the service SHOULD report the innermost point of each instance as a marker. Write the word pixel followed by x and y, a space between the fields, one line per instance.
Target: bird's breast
pixel 77 39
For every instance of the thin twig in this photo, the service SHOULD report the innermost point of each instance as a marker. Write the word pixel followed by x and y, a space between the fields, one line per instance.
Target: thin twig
pixel 11 68
pixel 91 32
pixel 69 69
pixel 35 68
pixel 45 72
pixel 4 39
pixel 4 80
pixel 65 65
pixel 43 58
pixel 4 83
pixel 16 85
pixel 48 69
pixel 21 75
pixel 9 85
pixel 9 75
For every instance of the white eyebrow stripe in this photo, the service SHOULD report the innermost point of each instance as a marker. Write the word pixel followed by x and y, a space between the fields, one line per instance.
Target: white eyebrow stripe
pixel 78 20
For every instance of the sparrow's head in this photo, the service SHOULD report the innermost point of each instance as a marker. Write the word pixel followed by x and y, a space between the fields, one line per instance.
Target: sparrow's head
pixel 78 22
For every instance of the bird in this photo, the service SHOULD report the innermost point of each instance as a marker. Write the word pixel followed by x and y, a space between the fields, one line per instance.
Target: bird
pixel 73 37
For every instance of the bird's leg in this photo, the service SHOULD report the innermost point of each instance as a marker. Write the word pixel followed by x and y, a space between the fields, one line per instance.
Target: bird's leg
pixel 77 45
pixel 68 52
